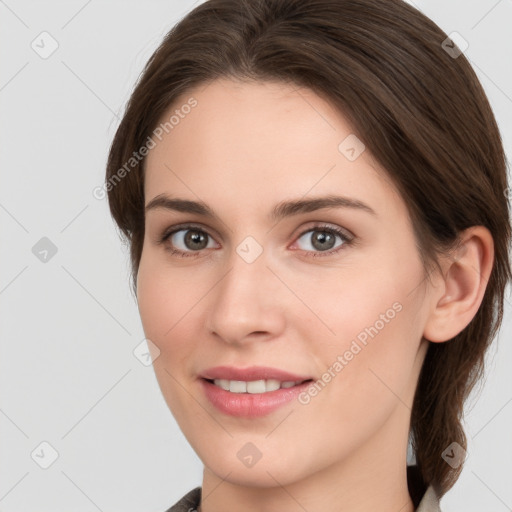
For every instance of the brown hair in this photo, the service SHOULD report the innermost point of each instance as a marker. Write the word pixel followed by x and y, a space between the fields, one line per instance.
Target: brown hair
pixel 418 108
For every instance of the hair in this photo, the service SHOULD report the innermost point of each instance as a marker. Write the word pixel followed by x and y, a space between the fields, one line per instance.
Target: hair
pixel 419 109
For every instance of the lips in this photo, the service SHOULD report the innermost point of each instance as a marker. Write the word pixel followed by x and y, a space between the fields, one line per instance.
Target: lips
pixel 252 373
pixel 251 392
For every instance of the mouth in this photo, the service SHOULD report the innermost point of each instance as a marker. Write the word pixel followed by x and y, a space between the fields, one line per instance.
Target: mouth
pixel 253 391
pixel 252 398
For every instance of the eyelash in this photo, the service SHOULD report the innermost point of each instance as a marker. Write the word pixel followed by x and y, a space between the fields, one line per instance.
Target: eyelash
pixel 347 241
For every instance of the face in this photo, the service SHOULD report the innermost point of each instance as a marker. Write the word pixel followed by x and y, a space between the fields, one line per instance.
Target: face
pixel 332 292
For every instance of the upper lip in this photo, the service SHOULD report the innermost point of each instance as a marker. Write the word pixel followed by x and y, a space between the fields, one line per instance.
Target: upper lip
pixel 251 373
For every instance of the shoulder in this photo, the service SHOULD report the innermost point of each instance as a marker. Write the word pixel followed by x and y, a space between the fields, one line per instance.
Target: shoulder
pixel 188 503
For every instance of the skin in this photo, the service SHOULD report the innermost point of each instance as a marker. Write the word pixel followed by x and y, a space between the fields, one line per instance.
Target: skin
pixel 244 148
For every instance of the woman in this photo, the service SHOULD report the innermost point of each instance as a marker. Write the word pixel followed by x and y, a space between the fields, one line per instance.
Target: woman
pixel 314 194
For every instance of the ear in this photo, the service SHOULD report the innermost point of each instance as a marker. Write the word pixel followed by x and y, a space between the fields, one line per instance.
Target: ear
pixel 456 300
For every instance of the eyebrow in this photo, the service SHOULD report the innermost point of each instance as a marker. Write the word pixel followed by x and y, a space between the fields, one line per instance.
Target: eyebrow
pixel 280 211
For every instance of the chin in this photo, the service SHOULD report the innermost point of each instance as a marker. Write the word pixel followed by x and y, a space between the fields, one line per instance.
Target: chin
pixel 271 470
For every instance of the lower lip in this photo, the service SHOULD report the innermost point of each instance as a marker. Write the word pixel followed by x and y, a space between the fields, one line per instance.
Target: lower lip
pixel 250 405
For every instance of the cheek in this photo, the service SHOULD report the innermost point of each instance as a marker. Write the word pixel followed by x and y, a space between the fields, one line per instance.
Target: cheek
pixel 370 333
pixel 165 309
pixel 367 374
pixel 343 304
pixel 165 298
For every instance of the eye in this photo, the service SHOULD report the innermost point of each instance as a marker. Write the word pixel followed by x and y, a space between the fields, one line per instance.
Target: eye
pixel 186 240
pixel 322 239
pixel 189 240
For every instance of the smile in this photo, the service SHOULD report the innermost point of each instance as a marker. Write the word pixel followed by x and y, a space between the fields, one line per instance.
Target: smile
pixel 251 399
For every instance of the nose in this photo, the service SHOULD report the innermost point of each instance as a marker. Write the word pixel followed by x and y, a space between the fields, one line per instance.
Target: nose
pixel 248 303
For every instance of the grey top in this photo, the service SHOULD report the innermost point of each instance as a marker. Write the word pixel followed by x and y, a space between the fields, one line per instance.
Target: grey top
pixel 429 501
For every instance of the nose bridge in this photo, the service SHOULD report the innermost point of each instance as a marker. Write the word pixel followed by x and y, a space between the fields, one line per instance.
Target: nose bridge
pixel 245 300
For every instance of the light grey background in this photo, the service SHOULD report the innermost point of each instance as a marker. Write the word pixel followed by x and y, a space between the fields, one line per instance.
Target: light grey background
pixel 69 326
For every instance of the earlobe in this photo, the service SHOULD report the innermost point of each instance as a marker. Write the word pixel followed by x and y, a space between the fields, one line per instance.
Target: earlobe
pixel 466 273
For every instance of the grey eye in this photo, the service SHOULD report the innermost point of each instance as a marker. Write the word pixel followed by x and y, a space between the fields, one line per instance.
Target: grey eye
pixel 190 240
pixel 320 240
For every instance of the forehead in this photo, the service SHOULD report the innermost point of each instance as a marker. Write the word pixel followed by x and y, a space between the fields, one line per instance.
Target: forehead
pixel 261 140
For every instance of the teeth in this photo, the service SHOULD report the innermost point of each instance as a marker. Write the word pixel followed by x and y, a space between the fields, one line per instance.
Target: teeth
pixel 253 386
pixel 222 383
pixel 237 386
pixel 271 384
